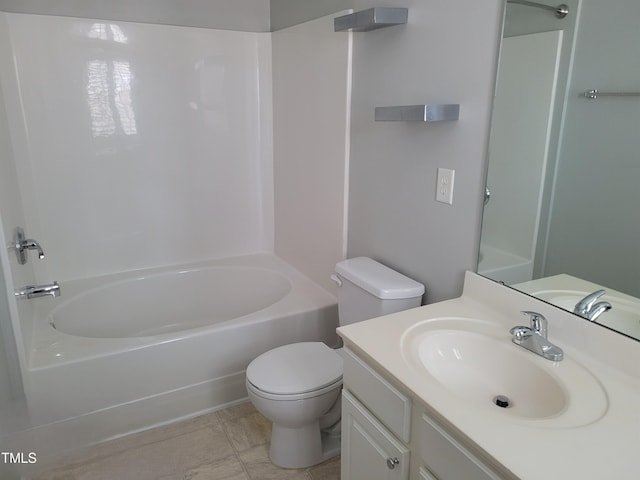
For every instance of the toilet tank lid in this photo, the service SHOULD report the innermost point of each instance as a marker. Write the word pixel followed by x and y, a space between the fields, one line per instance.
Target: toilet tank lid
pixel 377 279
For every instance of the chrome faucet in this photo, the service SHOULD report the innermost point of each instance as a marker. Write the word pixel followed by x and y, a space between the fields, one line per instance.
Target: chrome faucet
pixel 589 309
pixel 35 291
pixel 534 337
pixel 22 245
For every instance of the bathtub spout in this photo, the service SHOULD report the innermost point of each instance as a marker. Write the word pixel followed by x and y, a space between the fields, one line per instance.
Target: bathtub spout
pixel 34 291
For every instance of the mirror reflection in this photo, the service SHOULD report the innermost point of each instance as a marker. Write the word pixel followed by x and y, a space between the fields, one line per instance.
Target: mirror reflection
pixel 560 221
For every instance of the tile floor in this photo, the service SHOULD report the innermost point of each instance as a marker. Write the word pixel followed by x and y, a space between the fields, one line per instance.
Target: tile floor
pixel 230 444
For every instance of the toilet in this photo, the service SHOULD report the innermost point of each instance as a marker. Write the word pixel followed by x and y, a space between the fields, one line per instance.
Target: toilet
pixel 298 386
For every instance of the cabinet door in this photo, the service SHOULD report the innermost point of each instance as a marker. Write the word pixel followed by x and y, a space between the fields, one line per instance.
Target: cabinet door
pixel 447 458
pixel 369 451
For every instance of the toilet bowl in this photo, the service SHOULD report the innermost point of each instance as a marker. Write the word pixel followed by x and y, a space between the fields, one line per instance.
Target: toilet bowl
pixel 298 386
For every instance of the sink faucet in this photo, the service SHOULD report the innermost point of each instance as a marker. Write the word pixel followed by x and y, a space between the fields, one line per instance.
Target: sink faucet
pixel 589 309
pixel 534 337
pixel 35 291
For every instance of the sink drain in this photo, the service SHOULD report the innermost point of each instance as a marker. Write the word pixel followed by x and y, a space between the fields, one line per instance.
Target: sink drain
pixel 502 401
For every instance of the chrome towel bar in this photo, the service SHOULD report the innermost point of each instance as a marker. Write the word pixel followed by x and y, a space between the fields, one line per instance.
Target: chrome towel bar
pixel 560 11
pixel 593 94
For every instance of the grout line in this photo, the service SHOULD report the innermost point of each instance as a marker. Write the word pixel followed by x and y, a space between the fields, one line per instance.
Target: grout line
pixel 233 447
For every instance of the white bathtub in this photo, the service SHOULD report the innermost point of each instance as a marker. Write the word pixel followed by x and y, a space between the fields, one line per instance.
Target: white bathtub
pixel 125 352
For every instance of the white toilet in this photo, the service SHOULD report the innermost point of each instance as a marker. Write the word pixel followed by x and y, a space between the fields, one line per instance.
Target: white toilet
pixel 298 386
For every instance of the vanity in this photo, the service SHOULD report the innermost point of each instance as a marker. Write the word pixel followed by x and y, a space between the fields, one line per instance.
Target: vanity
pixel 443 392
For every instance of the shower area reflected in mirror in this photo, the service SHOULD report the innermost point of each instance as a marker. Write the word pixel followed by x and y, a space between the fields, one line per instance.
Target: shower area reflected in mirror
pixel 530 92
pixel 519 154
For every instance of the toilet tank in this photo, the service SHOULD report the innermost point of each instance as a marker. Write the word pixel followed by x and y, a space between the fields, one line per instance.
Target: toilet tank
pixel 369 289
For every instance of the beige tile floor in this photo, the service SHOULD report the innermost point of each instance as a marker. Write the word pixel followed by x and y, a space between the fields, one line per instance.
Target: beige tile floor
pixel 230 444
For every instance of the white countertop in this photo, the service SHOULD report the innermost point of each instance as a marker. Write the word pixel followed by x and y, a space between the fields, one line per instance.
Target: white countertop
pixel 606 446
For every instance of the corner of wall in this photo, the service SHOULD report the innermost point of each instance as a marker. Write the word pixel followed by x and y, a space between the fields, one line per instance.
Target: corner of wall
pixel 265 131
pixel 310 146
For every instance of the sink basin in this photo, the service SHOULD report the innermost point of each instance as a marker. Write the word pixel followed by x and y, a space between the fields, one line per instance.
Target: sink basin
pixel 623 317
pixel 478 366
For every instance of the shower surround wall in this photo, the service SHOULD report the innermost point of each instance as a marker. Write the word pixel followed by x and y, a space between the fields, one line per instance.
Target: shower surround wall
pixel 145 145
pixel 311 140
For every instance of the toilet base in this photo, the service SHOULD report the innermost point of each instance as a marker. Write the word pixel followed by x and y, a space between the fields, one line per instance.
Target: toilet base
pixel 301 447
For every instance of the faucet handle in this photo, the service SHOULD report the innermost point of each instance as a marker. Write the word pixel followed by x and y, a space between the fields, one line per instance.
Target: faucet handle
pixel 537 321
pixel 520 332
pixel 22 245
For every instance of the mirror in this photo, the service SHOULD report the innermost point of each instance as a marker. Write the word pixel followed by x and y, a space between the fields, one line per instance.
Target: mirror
pixel 564 169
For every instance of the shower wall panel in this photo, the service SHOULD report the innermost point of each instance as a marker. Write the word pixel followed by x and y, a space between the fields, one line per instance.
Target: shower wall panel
pixel 138 144
pixel 311 91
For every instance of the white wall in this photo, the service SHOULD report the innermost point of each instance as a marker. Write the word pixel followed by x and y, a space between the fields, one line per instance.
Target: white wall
pixel 287 13
pixel 246 15
pixel 447 53
pixel 142 145
pixel 7 346
pixel 12 215
pixel 311 87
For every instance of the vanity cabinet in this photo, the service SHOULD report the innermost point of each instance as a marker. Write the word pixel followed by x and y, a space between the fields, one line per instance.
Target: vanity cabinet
pixel 388 435
pixel 376 422
pixel 369 450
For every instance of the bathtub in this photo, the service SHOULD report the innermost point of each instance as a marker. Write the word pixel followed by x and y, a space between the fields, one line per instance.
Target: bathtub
pixel 125 352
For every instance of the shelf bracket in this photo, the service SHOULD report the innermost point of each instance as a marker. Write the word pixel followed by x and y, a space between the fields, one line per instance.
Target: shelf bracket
pixel 371 19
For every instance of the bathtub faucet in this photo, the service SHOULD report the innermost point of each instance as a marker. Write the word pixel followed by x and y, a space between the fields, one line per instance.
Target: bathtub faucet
pixel 22 245
pixel 35 291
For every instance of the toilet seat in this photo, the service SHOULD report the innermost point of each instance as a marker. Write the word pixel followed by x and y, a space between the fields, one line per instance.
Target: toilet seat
pixel 290 397
pixel 296 371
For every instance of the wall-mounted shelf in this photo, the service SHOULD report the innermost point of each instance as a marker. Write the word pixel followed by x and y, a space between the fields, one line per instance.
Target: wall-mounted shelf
pixel 371 19
pixel 419 113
